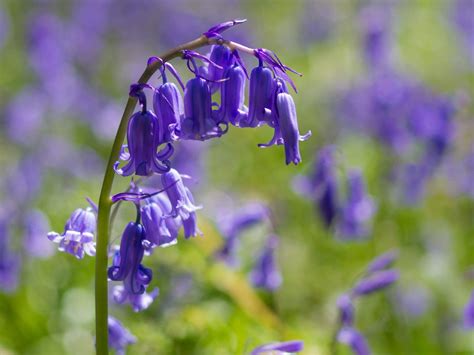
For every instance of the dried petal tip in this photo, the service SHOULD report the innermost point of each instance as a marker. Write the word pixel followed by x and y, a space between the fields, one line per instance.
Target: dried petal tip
pixel 287 347
pixel 216 30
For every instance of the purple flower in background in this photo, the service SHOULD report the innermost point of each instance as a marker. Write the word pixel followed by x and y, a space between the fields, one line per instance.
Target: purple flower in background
pixel 265 273
pixel 139 302
pixel 178 194
pixel 358 209
pixel 9 261
pixel 346 310
pixel 287 347
pixel 375 282
pixel 36 226
pixel 382 261
pixel 469 313
pixel 355 340
pixel 127 265
pixel 78 236
pixel 413 301
pixel 119 336
pixel 462 18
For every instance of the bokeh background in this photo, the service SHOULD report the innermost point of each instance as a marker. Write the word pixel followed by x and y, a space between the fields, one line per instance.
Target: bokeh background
pixel 389 84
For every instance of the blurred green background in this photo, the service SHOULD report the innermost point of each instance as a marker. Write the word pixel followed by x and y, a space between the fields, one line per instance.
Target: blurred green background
pixel 204 307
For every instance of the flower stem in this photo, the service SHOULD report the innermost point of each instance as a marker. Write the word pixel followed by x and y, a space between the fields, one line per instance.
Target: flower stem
pixel 105 201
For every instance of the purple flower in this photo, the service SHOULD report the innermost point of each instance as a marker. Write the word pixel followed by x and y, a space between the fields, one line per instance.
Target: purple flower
pixel 154 221
pixel 127 265
pixel 119 336
pixel 346 310
pixel 178 194
pixel 139 302
pixel 232 107
pixel 9 261
pixel 144 136
pixel 462 18
pixel 287 347
pixel 382 261
pixel 354 339
pixel 260 97
pixel 190 224
pixel 199 121
pixel 469 313
pixel 78 236
pixel 223 57
pixel 36 226
pixel 357 212
pixel 375 282
pixel 265 273
pixel 168 106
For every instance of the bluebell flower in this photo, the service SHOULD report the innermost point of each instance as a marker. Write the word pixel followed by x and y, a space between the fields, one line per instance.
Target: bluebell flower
pixel 78 236
pixel 382 261
pixel 260 97
pixel 375 282
pixel 357 212
pixel 127 265
pixel 285 124
pixel 286 347
pixel 144 135
pixel 178 194
pixel 355 340
pixel 119 336
pixel 232 107
pixel 223 57
pixel 139 302
pixel 469 313
pixel 154 221
pixel 346 310
pixel 265 273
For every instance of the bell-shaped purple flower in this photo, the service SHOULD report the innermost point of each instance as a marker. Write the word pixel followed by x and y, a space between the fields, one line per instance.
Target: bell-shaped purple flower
pixel 358 210
pixel 168 106
pixel 346 310
pixel 375 282
pixel 127 265
pixel 382 261
pixel 199 122
pixel 78 236
pixel 119 336
pixel 232 107
pixel 154 221
pixel 265 273
pixel 138 302
pixel 286 347
pixel 181 203
pixel 223 58
pixel 354 339
pixel 260 97
pixel 469 313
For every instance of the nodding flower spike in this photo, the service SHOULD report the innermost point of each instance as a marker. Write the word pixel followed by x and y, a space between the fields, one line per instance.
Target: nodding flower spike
pixel 144 136
pixel 286 125
pixel 181 203
pixel 232 96
pixel 78 236
pixel 224 58
pixel 127 265
pixel 216 30
pixel 260 97
pixel 198 122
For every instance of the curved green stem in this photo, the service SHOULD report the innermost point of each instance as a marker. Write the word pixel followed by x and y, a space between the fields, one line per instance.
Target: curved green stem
pixel 105 202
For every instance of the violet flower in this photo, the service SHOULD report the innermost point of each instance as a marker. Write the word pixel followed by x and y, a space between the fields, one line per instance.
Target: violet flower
pixel 119 336
pixel 78 236
pixel 154 221
pixel 358 210
pixel 382 261
pixel 355 340
pixel 232 107
pixel 127 265
pixel 469 313
pixel 265 273
pixel 139 302
pixel 346 310
pixel 375 282
pixel 144 136
pixel 223 57
pixel 287 347
pixel 9 261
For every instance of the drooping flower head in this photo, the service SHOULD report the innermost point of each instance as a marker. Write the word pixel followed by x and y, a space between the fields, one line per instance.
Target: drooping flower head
pixel 144 135
pixel 127 265
pixel 265 273
pixel 78 236
pixel 119 336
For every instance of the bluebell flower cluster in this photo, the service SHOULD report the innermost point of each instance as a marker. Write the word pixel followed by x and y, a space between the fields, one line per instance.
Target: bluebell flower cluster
pixel 377 276
pixel 350 216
